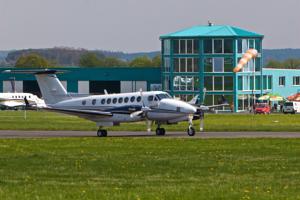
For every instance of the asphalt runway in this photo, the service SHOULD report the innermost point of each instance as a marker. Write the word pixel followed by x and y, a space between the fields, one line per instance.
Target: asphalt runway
pixel 57 134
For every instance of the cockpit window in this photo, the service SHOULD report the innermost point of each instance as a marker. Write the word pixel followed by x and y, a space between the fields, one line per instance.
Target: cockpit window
pixel 150 98
pixel 163 96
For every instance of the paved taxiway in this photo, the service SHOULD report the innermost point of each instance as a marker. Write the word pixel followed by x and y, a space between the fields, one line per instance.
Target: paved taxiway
pixel 46 134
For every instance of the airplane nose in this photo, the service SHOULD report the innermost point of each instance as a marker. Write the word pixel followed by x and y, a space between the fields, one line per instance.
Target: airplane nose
pixel 189 108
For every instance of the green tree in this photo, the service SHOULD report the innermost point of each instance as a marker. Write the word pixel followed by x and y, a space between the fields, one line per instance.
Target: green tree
pixel 113 62
pixel 32 60
pixel 291 63
pixel 142 61
pixel 274 64
pixel 90 60
pixel 156 61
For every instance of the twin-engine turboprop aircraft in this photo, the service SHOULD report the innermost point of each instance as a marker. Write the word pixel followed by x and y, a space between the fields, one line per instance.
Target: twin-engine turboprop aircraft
pixel 113 109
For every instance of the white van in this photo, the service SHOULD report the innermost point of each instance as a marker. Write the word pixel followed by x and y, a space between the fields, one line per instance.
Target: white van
pixel 291 107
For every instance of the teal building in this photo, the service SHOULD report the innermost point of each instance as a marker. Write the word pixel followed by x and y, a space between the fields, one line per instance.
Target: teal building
pixel 200 61
pixel 90 80
pixel 284 82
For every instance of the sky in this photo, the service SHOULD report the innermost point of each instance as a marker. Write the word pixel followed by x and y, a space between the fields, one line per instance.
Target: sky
pixel 135 25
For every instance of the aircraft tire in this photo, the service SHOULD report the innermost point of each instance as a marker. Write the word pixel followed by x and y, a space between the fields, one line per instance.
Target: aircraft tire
pixel 101 133
pixel 191 131
pixel 160 131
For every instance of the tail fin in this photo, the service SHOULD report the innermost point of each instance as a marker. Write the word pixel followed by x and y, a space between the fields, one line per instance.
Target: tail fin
pixel 52 89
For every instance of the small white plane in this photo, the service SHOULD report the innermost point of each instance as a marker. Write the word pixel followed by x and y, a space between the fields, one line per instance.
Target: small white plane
pixel 15 100
pixel 113 109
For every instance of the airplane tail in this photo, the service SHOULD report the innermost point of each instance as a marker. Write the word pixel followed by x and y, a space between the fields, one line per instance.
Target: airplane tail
pixel 52 89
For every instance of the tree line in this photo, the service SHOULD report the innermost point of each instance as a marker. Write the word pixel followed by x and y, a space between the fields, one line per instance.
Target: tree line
pixel 286 64
pixel 88 59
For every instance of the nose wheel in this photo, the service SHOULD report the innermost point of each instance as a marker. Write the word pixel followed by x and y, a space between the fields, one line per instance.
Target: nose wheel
pixel 101 133
pixel 191 131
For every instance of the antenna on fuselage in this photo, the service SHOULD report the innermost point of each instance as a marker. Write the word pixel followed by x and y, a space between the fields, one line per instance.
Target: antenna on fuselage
pixel 105 91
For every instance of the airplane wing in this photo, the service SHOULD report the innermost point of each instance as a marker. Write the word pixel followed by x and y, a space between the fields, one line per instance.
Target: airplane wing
pixel 86 114
pixel 12 103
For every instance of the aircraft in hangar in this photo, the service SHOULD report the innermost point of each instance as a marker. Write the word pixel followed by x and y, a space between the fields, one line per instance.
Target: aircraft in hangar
pixel 113 109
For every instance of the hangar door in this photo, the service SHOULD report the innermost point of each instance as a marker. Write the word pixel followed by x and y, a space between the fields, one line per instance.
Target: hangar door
pixel 32 87
pixel 98 87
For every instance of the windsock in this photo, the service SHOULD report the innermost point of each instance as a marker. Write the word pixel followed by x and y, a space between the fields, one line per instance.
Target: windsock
pixel 250 54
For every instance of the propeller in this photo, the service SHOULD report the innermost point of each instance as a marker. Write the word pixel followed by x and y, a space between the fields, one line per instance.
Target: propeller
pixel 143 112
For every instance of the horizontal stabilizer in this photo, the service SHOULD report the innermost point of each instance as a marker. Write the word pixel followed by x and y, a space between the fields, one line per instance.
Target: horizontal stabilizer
pixel 36 71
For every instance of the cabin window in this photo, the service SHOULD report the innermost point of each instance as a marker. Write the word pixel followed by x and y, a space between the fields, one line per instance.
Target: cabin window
pixel 120 100
pixel 114 100
pixel 108 101
pixel 29 97
pixel 126 99
pixel 94 101
pixel 150 98
pixel 132 99
pixel 102 101
pixel 83 102
pixel 138 99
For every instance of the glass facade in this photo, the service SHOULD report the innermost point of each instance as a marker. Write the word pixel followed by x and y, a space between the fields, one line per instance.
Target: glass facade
pixel 193 65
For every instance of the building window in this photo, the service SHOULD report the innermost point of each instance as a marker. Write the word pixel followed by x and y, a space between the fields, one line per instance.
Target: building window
pixel 257 65
pixel 208 83
pixel 228 65
pixel 208 65
pixel 218 83
pixel 218 46
pixel 228 83
pixel 228 46
pixel 267 82
pixel 188 46
pixel 167 64
pixel 218 64
pixel 208 46
pixel 186 65
pixel 281 80
pixel 296 80
pixel 167 46
pixel 167 83
pixel 186 83
pixel 242 45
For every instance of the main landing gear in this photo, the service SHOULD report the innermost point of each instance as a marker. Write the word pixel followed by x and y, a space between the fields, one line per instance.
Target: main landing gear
pixel 160 131
pixel 101 133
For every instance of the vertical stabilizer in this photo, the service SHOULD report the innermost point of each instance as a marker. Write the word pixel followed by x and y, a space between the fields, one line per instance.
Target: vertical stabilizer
pixel 52 89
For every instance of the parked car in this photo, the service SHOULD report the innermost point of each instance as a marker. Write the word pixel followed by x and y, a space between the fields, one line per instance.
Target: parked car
pixel 262 108
pixel 291 107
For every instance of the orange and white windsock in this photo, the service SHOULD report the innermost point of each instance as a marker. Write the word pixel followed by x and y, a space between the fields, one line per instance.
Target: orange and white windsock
pixel 250 54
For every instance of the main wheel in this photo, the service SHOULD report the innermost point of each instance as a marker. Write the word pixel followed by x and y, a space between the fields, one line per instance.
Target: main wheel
pixel 101 133
pixel 160 131
pixel 191 131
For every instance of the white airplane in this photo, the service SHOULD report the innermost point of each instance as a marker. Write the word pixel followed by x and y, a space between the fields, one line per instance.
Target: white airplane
pixel 14 100
pixel 113 109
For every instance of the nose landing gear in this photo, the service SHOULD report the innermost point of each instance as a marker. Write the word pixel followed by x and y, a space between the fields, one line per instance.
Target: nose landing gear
pixel 191 130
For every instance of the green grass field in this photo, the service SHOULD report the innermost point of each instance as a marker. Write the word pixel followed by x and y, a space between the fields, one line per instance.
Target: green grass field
pixel 149 168
pixel 14 120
